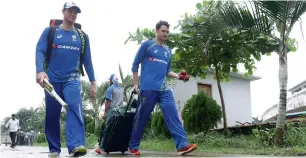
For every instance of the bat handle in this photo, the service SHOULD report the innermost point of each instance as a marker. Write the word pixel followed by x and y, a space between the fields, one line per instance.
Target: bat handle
pixel 46 80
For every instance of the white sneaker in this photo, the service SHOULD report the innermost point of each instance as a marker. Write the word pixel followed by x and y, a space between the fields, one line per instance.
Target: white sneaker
pixel 53 154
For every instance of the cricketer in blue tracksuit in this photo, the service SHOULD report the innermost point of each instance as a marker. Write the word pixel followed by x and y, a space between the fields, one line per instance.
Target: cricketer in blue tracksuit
pixel 63 74
pixel 155 64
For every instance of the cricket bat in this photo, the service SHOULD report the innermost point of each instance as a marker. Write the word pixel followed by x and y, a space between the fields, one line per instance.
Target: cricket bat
pixel 50 89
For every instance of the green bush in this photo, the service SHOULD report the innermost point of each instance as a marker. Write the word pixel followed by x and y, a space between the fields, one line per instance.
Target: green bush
pixel 148 129
pixel 201 113
pixel 98 129
pixel 295 135
pixel 264 136
pixel 41 138
pixel 87 120
pixel 158 125
pixel 87 135
pixel 90 128
pixel 63 130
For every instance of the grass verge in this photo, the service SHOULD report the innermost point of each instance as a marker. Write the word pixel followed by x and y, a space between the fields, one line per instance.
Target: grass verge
pixel 91 141
pixel 211 143
pixel 219 144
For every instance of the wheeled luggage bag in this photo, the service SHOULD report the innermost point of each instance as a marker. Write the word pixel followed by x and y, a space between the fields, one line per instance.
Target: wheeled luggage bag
pixel 118 131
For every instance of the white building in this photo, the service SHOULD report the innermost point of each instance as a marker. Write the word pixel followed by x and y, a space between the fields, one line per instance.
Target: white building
pixel 236 93
pixel 296 102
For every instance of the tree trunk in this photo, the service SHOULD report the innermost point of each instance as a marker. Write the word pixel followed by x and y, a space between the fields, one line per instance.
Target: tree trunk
pixel 221 97
pixel 96 120
pixel 283 79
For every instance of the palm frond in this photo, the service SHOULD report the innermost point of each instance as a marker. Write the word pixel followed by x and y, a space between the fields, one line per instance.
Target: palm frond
pixel 230 15
pixel 121 73
pixel 85 90
pixel 297 10
pixel 283 12
pixel 101 93
pixel 301 28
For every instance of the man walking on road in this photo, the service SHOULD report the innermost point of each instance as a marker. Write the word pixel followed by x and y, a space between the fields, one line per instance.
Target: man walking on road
pixel 13 125
pixel 155 59
pixel 114 100
pixel 63 72
pixel 31 138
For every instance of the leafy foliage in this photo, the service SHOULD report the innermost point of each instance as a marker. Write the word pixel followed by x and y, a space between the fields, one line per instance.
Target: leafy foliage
pixel 127 84
pixel 149 34
pixel 41 138
pixel 158 125
pixel 227 47
pixel 98 129
pixel 283 13
pixel 201 113
pixel 295 134
pixel 90 128
pixel 97 103
pixel 264 136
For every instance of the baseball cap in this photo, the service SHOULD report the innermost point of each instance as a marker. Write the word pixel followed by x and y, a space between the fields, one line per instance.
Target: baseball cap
pixel 114 78
pixel 70 4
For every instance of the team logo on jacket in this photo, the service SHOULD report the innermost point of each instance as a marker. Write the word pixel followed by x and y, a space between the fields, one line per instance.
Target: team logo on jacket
pixel 60 36
pixel 66 47
pixel 166 53
pixel 158 60
pixel 73 37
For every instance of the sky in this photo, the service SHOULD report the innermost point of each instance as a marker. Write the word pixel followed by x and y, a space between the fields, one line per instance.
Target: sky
pixel 107 23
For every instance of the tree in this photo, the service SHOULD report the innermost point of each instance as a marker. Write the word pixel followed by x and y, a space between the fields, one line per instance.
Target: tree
pixel 26 117
pixel 261 16
pixel 98 101
pixel 285 14
pixel 29 118
pixel 127 83
pixel 226 50
pixel 3 123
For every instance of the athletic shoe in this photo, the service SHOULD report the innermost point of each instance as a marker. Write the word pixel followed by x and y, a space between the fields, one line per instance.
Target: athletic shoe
pixel 98 151
pixel 134 152
pixel 187 149
pixel 53 154
pixel 78 151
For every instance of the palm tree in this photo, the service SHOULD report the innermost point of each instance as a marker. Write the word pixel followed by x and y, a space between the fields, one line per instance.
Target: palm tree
pixel 285 14
pixel 264 17
pixel 97 103
pixel 127 83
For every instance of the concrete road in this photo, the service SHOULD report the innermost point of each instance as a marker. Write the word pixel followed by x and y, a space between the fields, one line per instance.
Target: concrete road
pixel 42 152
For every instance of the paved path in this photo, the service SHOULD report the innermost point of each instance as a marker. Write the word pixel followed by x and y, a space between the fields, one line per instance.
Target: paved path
pixel 42 152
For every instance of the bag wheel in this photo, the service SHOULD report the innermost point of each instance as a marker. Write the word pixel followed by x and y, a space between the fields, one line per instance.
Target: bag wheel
pixel 107 153
pixel 122 152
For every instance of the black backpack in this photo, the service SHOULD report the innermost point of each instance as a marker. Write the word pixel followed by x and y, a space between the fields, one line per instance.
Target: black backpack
pixel 54 23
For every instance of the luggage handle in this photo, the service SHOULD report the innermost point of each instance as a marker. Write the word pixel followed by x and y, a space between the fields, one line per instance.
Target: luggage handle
pixel 128 105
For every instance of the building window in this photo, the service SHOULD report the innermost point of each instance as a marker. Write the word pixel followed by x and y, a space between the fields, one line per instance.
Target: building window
pixel 206 88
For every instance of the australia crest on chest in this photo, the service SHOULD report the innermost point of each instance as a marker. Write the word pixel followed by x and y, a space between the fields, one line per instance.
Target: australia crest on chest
pixel 159 55
pixel 67 41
